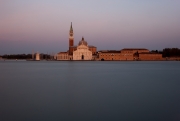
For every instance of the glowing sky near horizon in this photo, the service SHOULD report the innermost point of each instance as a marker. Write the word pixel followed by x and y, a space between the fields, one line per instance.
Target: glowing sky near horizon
pixel 43 25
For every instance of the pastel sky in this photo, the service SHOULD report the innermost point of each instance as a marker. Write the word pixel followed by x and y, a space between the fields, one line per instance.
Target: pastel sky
pixel 43 25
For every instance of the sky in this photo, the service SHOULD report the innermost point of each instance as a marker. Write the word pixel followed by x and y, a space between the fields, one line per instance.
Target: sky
pixel 28 26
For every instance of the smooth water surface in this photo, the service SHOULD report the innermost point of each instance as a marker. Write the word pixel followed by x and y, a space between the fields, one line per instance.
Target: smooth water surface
pixel 89 91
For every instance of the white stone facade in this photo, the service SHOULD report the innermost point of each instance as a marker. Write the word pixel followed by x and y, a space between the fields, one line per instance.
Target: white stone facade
pixel 37 56
pixel 82 53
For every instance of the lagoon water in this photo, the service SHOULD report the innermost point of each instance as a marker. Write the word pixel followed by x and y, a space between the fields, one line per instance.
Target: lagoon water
pixel 89 91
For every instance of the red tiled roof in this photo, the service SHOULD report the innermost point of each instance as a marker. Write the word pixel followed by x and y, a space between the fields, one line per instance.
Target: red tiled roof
pixel 109 51
pixel 134 49
pixel 149 53
pixel 62 53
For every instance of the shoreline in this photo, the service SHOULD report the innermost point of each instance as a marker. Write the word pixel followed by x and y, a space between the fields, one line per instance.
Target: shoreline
pixel 87 60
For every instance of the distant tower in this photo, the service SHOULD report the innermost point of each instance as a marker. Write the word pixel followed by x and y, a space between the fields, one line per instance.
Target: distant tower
pixel 71 40
pixel 71 37
pixel 37 56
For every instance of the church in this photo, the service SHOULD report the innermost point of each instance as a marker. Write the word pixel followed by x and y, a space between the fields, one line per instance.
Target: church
pixel 80 52
pixel 83 51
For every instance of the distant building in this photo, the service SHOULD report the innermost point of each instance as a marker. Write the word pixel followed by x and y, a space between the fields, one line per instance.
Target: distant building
pixel 150 56
pixel 80 52
pixel 62 56
pixel 109 55
pixel 131 53
pixel 124 54
pixel 37 56
pixel 83 51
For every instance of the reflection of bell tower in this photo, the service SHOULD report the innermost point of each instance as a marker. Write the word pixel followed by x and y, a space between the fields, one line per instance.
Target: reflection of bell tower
pixel 71 38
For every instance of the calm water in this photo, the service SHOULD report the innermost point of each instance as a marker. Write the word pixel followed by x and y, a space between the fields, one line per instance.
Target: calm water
pixel 89 91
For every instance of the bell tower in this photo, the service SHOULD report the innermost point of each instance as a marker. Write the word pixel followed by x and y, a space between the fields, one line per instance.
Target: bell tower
pixel 71 37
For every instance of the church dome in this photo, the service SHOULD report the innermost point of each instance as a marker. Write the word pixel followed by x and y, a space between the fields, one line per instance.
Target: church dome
pixel 83 42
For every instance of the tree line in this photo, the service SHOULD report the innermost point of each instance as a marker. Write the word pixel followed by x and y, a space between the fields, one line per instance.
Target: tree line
pixel 25 56
pixel 171 52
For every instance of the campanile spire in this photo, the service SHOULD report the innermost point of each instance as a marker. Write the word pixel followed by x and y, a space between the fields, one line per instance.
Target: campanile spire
pixel 71 37
pixel 71 29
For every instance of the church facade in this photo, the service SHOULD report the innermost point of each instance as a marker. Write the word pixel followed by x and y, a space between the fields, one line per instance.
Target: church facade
pixel 80 52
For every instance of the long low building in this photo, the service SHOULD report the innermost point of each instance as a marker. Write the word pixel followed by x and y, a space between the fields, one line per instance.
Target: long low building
pixel 109 55
pixel 150 56
pixel 62 56
pixel 128 54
